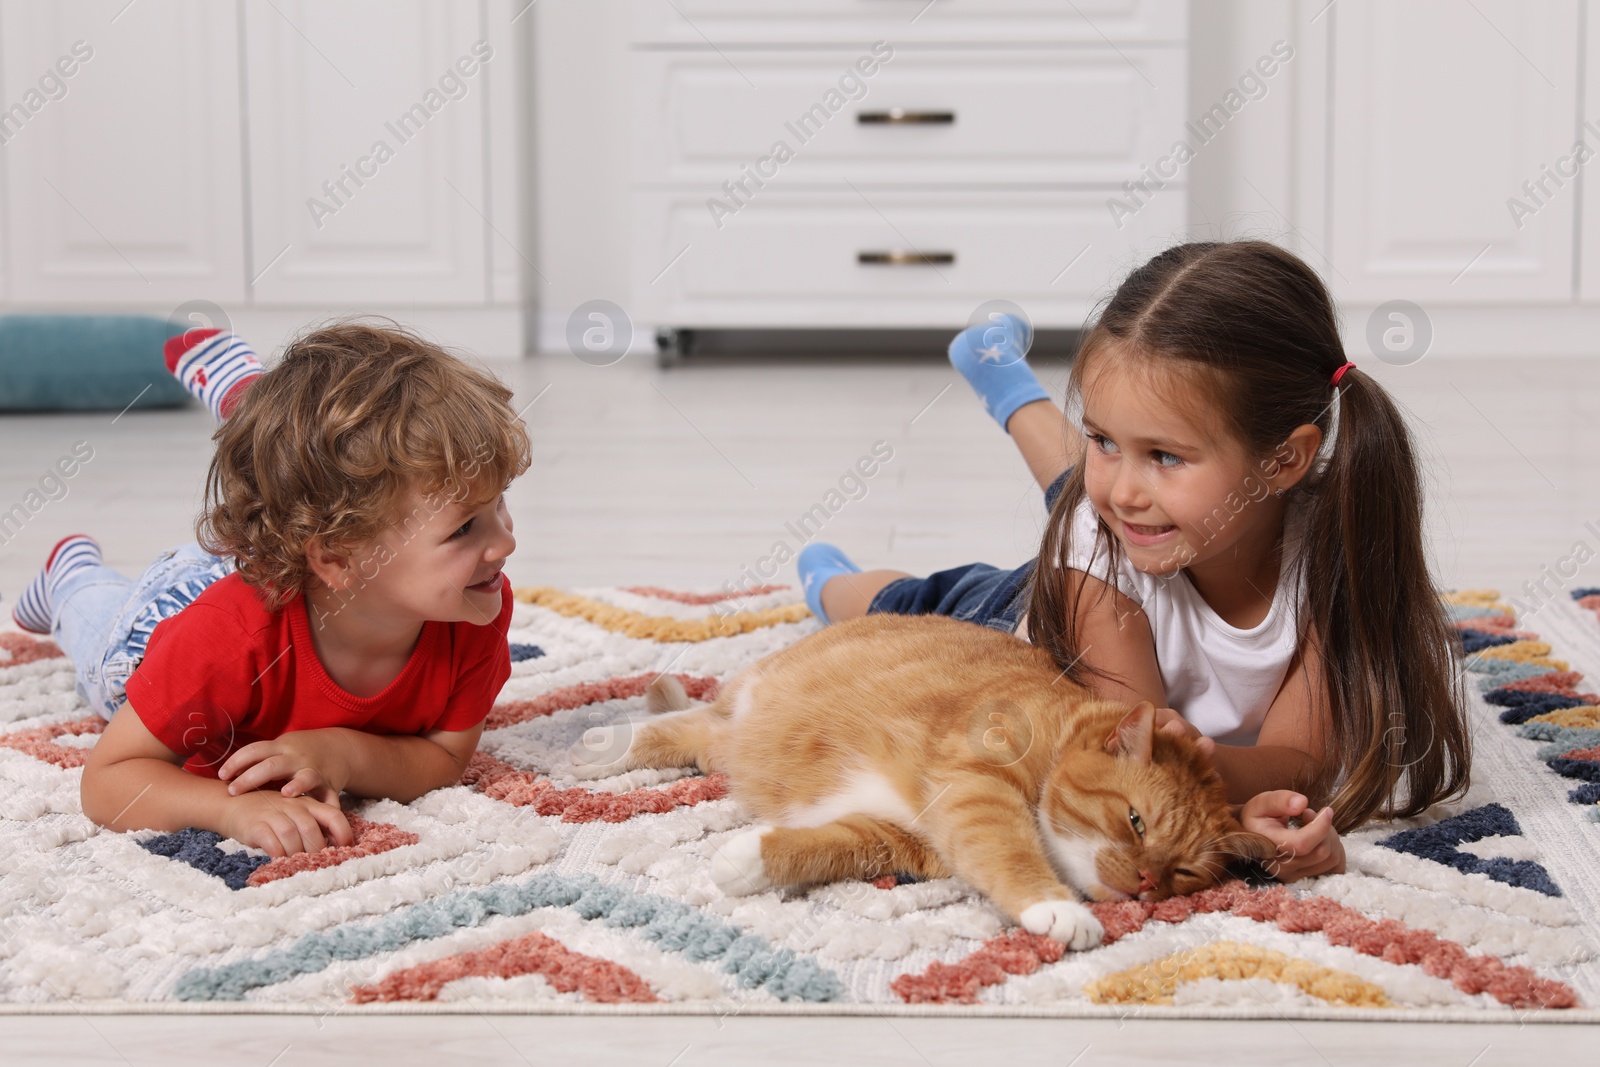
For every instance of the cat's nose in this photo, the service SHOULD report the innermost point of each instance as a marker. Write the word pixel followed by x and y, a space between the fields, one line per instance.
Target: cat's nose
pixel 1146 883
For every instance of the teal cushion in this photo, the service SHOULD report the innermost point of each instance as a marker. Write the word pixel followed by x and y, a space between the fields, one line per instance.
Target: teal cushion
pixel 86 363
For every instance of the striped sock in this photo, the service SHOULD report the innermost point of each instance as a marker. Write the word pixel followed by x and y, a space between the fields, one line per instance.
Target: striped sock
pixel 214 366
pixel 36 610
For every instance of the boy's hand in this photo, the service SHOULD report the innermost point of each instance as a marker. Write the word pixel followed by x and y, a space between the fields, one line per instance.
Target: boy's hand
pixel 308 762
pixel 1170 722
pixel 1311 850
pixel 284 825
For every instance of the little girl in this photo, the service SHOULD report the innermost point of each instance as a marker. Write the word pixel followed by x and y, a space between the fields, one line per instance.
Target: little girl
pixel 341 624
pixel 1236 532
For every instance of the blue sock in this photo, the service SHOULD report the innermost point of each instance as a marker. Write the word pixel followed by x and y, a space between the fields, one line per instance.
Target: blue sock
pixel 990 356
pixel 818 562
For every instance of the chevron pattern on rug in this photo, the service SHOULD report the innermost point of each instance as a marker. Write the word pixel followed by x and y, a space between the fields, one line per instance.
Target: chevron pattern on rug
pixel 524 889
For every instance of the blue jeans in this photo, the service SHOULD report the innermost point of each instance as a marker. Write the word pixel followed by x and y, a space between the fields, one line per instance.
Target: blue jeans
pixel 976 592
pixel 104 619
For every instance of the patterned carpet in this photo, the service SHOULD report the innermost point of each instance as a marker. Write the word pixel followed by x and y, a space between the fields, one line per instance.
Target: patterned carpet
pixel 524 890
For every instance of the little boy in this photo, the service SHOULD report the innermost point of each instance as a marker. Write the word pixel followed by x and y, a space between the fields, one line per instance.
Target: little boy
pixel 340 624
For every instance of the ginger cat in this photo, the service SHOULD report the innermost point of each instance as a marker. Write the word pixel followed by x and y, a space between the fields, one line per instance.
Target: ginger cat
pixel 924 745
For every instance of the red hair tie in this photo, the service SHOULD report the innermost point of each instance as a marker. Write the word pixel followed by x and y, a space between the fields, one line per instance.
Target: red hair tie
pixel 1340 372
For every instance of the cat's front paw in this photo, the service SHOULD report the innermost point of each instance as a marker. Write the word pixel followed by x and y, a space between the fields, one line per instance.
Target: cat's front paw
pixel 1065 920
pixel 602 752
pixel 737 868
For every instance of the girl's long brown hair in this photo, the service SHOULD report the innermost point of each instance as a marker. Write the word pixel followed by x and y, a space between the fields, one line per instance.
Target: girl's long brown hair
pixel 1255 330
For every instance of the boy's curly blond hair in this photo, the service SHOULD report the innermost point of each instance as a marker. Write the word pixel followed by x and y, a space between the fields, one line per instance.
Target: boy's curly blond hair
pixel 328 442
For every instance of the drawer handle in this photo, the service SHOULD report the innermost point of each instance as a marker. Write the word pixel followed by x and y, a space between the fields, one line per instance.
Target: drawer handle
pixel 897 116
pixel 906 259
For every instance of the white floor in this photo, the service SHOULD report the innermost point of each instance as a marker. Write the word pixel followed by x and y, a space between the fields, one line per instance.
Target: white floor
pixel 537 1041
pixel 689 476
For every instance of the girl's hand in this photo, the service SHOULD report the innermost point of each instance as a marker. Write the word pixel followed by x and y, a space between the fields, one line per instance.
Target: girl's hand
pixel 1311 850
pixel 308 762
pixel 284 826
pixel 1169 721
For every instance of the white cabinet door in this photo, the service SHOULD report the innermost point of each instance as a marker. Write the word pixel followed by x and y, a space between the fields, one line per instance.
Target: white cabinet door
pixel 1441 112
pixel 366 149
pixel 123 176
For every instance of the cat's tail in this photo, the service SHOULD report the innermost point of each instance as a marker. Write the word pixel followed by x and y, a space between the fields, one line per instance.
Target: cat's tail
pixel 666 693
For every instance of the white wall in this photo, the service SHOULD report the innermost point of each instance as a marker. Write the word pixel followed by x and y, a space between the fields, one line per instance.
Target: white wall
pixel 580 142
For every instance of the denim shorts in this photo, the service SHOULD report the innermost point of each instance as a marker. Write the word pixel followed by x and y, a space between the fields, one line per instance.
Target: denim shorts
pixel 975 592
pixel 103 619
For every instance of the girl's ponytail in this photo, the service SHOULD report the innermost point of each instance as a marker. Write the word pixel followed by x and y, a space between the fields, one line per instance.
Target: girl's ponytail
pixel 1387 647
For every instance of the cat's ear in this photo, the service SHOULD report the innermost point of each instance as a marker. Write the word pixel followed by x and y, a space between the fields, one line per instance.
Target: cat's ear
pixel 1134 736
pixel 1248 846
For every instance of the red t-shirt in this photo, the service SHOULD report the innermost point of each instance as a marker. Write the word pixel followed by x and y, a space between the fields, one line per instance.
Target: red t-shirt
pixel 224 672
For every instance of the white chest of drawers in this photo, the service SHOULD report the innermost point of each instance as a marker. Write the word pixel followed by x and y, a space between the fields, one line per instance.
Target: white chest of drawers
pixel 894 163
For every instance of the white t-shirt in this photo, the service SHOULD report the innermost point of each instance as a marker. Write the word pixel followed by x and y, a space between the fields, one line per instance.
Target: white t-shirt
pixel 1219 677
